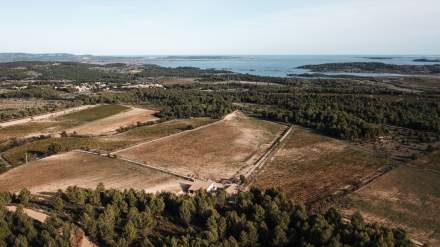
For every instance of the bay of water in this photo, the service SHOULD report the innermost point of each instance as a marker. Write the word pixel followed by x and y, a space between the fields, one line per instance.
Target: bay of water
pixel 279 66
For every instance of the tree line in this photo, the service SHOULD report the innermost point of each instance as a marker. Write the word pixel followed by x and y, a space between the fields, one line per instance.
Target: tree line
pixel 254 218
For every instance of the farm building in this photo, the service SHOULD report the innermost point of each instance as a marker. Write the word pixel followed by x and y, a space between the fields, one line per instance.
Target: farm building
pixel 208 186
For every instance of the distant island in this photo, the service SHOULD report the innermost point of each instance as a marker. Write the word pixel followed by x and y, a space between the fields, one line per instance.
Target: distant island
pixel 427 60
pixel 199 57
pixel 379 58
pixel 374 67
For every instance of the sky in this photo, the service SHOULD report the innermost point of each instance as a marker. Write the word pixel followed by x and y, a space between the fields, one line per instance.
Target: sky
pixel 246 27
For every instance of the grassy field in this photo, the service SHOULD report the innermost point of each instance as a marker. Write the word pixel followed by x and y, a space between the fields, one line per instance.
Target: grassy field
pixel 37 149
pixel 95 113
pixel 217 151
pixel 310 167
pixel 85 170
pixel 151 132
pixel 408 197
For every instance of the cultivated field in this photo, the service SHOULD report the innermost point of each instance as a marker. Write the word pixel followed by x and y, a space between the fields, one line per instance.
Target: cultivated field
pixel 39 125
pixel 151 132
pixel 45 117
pixel 85 170
pixel 110 124
pixel 101 119
pixel 94 113
pixel 310 167
pixel 36 149
pixel 408 197
pixel 23 130
pixel 214 151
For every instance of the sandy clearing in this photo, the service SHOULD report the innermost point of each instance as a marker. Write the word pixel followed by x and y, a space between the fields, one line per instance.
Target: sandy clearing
pixel 215 152
pixel 46 116
pixel 34 214
pixel 80 241
pixel 111 124
pixel 87 171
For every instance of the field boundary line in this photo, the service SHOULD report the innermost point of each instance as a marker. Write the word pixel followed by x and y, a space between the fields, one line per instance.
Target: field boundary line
pixel 174 135
pixel 274 147
pixel 160 169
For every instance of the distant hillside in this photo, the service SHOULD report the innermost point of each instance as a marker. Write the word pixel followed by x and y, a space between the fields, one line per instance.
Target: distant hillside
pixel 374 67
pixel 61 57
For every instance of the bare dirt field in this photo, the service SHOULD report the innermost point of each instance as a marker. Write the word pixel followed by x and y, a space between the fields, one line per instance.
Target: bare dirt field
pixel 213 151
pixel 407 197
pixel 87 171
pixel 310 167
pixel 110 124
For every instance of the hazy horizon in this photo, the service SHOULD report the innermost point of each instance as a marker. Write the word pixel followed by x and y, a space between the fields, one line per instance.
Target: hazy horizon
pixel 197 27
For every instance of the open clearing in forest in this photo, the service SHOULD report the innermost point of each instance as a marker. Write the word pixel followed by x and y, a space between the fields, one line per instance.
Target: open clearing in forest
pixel 407 197
pixel 87 171
pixel 214 151
pixel 310 167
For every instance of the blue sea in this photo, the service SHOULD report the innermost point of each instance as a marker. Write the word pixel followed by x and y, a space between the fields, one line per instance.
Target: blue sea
pixel 279 66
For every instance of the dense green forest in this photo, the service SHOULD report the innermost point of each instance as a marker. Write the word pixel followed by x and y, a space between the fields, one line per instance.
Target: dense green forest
pixel 19 230
pixel 255 218
pixel 343 116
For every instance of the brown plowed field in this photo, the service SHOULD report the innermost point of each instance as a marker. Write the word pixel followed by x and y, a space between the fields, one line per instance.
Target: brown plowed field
pixel 216 151
pixel 310 166
pixel 87 171
pixel 407 197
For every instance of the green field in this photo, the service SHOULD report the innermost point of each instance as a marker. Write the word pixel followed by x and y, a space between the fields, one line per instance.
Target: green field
pixel 94 113
pixel 164 129
pixel 408 196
